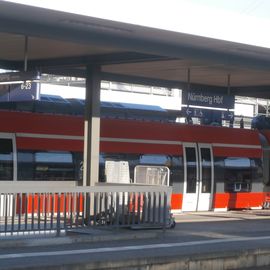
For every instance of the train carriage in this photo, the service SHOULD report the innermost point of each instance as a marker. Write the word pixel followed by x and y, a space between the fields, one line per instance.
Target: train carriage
pixel 211 168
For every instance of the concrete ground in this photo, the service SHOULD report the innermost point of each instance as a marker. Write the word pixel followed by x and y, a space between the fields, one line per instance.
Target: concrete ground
pixel 201 240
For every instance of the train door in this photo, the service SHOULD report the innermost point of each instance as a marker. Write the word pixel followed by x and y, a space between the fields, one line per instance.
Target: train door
pixel 198 177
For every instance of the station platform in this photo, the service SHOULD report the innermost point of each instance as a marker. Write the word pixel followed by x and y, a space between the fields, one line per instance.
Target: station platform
pixel 200 240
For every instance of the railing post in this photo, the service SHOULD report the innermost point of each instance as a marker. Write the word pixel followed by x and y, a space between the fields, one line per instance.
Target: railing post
pixel 65 210
pixel 87 216
pixel 26 212
pixel 165 212
pixel 123 208
pixel 139 208
pixel 5 212
pixel 38 210
pixel 117 209
pixel 58 225
pixel 33 209
pixel 45 210
pixel 13 213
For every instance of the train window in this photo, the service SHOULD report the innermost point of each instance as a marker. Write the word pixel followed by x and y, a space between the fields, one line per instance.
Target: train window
pixel 117 172
pixel 152 175
pixel 49 166
pixel 78 163
pixel 174 163
pixel 177 171
pixel 206 170
pixel 238 174
pixel 6 159
pixel 26 165
pixel 191 170
pixel 132 159
pixel 154 159
pixel 53 157
pixel 257 169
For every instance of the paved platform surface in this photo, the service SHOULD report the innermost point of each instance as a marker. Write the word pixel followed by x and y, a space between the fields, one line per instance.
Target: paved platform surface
pixel 202 240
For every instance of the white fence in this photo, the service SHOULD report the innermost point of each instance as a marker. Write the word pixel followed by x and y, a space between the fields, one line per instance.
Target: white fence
pixel 46 209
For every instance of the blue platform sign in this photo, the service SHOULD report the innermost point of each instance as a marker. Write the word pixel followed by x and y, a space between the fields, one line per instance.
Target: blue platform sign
pixel 19 91
pixel 207 99
pixel 19 86
pixel 208 114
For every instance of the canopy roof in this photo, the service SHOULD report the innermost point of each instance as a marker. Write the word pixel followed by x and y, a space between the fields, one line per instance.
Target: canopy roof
pixel 64 43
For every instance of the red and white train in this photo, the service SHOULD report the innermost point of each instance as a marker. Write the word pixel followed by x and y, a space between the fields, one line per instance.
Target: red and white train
pixel 211 168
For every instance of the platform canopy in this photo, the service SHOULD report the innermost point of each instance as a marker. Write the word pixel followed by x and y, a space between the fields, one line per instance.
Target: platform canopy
pixel 63 43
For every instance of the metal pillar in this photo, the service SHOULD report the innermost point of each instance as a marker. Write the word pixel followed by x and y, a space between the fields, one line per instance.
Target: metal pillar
pixel 92 126
pixel 188 79
pixel 25 53
pixel 229 84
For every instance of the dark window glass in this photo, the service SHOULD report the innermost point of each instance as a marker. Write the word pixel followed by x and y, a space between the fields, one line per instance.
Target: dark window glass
pixel 49 166
pixel 206 170
pixel 219 169
pixel 235 171
pixel 177 170
pixel 26 165
pixel 238 174
pixel 78 163
pixel 257 169
pixel 191 170
pixel 6 159
pixel 174 163
pixel 132 159
pixel 154 160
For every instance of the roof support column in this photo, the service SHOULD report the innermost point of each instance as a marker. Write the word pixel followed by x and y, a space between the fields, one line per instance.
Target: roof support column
pixel 229 84
pixel 92 126
pixel 188 79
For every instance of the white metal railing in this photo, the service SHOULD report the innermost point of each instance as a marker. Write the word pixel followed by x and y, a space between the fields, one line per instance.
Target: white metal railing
pixel 57 209
pixel 152 175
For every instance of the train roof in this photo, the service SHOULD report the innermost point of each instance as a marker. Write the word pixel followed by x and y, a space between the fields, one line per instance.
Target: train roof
pixel 73 106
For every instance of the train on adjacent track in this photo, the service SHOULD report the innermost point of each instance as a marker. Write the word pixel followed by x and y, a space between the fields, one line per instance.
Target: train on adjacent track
pixel 211 168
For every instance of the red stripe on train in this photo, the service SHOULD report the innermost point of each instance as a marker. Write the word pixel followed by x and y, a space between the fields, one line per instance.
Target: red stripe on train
pixel 116 128
pixel 49 144
pixel 220 201
pixel 143 148
pixel 176 201
pixel 238 200
pixel 244 200
pixel 16 122
pixel 108 147
pixel 27 122
pixel 236 152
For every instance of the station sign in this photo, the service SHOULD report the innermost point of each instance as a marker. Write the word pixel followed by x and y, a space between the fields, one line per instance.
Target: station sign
pixel 208 114
pixel 19 86
pixel 207 99
pixel 19 91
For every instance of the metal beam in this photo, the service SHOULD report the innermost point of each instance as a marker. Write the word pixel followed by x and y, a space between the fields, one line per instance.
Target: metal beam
pixel 78 61
pixel 241 91
pixel 10 65
pixel 252 91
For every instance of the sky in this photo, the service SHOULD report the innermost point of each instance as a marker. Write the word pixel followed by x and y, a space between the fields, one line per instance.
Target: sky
pixel 244 21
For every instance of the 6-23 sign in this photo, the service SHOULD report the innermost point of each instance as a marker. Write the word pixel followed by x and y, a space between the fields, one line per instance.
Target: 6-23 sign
pixel 26 86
